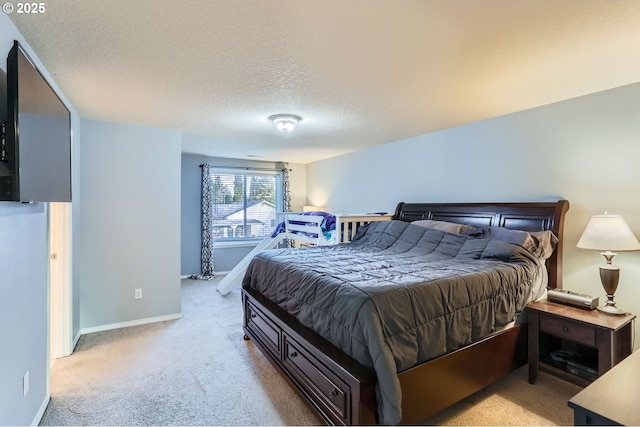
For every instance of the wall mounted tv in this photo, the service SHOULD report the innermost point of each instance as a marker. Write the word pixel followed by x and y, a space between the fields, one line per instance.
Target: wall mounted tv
pixel 35 156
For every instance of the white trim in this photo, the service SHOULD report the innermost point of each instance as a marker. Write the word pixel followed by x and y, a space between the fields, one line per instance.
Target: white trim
pixel 40 413
pixel 67 298
pixel 111 326
pixel 75 340
pixel 60 280
pixel 217 273
pixel 239 243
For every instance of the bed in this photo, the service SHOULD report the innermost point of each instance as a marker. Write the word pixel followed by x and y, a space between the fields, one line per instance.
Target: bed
pixel 339 381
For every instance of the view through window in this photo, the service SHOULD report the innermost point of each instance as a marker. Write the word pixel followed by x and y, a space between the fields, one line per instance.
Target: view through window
pixel 244 205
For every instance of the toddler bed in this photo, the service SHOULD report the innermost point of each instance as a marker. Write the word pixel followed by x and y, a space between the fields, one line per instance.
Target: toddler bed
pixel 369 332
pixel 310 228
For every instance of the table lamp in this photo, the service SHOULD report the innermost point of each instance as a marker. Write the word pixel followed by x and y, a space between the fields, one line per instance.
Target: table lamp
pixel 608 233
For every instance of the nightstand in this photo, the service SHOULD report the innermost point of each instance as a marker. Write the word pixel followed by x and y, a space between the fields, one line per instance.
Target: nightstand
pixel 601 340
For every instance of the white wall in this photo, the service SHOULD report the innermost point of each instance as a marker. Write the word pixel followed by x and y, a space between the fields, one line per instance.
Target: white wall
pixel 130 224
pixel 24 314
pixel 298 186
pixel 585 150
pixel 23 311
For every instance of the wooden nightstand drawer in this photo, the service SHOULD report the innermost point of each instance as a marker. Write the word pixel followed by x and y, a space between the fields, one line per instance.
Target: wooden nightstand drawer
pixel 584 334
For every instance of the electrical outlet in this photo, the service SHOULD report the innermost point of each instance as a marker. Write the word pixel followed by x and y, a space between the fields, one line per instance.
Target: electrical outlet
pixel 25 384
pixel 137 294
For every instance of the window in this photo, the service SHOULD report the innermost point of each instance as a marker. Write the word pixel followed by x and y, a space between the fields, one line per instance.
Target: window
pixel 244 205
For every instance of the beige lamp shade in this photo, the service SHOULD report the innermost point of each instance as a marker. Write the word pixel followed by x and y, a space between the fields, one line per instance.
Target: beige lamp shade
pixel 608 233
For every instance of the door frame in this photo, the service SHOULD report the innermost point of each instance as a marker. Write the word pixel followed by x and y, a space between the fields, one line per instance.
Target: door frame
pixel 60 281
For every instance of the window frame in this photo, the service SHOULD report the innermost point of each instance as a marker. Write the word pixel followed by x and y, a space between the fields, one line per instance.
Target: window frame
pixel 245 173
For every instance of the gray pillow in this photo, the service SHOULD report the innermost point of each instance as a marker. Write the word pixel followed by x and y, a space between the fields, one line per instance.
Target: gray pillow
pixel 540 243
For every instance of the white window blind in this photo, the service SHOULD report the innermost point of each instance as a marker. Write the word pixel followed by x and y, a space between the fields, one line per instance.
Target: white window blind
pixel 244 204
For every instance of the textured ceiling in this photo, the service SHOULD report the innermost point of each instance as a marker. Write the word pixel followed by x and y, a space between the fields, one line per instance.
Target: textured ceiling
pixel 359 72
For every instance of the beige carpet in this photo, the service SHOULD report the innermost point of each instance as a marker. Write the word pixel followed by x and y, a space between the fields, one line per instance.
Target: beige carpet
pixel 199 371
pixel 514 402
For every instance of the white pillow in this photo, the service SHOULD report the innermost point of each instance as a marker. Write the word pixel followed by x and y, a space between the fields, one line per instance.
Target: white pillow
pixel 449 227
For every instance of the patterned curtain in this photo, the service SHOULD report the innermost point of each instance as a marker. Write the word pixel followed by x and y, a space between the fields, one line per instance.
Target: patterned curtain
pixel 286 198
pixel 286 192
pixel 207 271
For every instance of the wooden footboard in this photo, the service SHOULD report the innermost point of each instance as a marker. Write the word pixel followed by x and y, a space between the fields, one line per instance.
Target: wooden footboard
pixel 342 392
pixel 336 387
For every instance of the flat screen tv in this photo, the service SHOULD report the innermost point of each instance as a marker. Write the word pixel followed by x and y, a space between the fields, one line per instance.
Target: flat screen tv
pixel 35 157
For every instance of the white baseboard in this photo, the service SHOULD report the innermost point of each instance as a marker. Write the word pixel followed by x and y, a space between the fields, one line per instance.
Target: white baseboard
pixel 75 341
pixel 40 413
pixel 217 273
pixel 101 328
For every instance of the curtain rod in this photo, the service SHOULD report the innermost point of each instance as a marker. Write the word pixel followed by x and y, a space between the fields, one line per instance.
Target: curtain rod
pixel 248 168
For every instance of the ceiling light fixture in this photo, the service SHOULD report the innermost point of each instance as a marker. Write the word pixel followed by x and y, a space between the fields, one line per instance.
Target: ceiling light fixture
pixel 285 123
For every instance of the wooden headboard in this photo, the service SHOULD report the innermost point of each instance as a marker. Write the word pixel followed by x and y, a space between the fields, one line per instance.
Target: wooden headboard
pixel 529 216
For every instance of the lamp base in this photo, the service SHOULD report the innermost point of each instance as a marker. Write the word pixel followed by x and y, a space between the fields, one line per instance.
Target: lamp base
pixel 611 309
pixel 609 276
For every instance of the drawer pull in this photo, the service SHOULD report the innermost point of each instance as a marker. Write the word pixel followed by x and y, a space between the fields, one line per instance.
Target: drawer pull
pixel 293 354
pixel 565 329
pixel 333 392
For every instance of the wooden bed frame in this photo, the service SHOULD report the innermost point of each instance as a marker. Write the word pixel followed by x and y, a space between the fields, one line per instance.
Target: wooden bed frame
pixel 342 391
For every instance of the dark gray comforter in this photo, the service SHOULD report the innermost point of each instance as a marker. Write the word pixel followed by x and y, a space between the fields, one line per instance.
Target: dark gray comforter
pixel 399 295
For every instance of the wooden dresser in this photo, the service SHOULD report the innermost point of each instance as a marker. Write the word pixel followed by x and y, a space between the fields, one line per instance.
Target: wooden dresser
pixel 613 398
